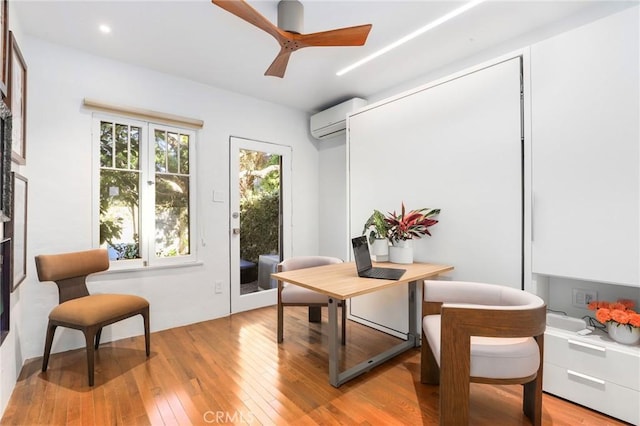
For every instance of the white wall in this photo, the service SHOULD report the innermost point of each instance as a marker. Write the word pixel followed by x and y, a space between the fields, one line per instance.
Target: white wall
pixel 59 170
pixel 333 196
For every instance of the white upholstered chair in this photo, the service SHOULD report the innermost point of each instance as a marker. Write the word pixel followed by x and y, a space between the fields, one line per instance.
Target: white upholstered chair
pixel 293 295
pixel 475 332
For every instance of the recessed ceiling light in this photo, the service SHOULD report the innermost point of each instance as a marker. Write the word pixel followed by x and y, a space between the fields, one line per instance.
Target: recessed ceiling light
pixel 105 29
pixel 411 36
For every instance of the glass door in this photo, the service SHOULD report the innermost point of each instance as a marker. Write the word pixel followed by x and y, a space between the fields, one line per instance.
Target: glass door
pixel 260 220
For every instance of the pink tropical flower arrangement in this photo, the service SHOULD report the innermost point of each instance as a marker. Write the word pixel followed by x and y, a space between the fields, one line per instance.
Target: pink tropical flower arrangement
pixel 620 312
pixel 410 224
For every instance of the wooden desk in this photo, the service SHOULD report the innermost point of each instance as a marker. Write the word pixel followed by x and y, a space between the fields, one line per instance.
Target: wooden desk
pixel 341 282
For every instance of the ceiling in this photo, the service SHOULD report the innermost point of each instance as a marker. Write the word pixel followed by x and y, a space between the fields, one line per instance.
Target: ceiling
pixel 199 41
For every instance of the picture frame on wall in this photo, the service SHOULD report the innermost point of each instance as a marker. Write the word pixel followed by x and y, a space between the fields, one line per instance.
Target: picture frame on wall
pixel 4 37
pixel 5 162
pixel 5 286
pixel 16 229
pixel 17 95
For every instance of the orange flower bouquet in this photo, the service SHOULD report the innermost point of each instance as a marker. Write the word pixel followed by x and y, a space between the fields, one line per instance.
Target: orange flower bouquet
pixel 619 312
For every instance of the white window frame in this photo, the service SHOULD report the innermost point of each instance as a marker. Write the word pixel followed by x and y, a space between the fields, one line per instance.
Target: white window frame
pixel 147 193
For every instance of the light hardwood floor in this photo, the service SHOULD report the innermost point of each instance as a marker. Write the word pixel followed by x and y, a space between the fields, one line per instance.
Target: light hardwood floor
pixel 230 370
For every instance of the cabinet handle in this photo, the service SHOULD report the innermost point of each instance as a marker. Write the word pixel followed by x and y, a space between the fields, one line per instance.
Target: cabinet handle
pixel 584 376
pixel 587 345
pixel 533 213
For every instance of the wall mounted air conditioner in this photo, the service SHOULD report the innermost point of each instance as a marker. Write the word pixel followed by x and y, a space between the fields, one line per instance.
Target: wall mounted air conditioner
pixel 332 122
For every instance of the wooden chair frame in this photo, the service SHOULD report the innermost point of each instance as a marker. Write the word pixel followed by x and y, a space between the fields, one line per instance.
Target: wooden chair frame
pixel 457 326
pixel 92 338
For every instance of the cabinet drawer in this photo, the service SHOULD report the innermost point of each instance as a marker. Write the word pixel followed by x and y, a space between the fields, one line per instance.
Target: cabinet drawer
pixel 594 358
pixel 592 392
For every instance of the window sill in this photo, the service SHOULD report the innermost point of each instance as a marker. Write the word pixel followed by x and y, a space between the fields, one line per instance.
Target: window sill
pixel 129 269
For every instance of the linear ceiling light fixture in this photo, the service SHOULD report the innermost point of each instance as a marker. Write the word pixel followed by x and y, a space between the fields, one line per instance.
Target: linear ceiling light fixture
pixel 431 25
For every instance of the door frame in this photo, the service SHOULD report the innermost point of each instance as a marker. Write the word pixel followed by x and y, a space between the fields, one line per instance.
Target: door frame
pixel 238 302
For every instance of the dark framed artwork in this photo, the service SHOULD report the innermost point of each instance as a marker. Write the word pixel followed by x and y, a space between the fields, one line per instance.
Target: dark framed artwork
pixel 4 43
pixel 5 163
pixel 5 287
pixel 16 229
pixel 17 94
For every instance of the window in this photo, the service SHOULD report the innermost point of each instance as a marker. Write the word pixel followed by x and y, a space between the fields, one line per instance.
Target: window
pixel 146 192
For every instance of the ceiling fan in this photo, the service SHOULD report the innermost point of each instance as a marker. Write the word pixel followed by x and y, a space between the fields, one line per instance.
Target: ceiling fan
pixel 289 28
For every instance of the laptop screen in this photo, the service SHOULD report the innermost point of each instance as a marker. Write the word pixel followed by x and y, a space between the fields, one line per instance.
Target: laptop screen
pixel 361 253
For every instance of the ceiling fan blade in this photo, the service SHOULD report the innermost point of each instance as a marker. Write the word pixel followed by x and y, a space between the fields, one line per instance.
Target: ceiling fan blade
pixel 279 65
pixel 244 11
pixel 292 41
pixel 350 36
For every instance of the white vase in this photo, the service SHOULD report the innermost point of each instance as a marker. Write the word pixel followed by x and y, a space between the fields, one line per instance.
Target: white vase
pixel 623 333
pixel 380 250
pixel 401 252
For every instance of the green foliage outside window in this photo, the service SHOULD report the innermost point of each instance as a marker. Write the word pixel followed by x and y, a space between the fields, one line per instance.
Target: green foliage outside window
pixel 259 218
pixel 172 194
pixel 120 181
pixel 172 215
pixel 259 204
pixel 119 187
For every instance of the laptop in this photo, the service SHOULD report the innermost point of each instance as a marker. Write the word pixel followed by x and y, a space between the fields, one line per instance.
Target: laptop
pixel 364 266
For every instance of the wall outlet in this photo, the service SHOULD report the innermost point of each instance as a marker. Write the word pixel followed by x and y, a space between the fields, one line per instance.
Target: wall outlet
pixel 218 286
pixel 581 297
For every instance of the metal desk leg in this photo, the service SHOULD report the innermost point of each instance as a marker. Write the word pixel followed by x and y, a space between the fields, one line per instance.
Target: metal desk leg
pixel 336 378
pixel 413 312
pixel 333 343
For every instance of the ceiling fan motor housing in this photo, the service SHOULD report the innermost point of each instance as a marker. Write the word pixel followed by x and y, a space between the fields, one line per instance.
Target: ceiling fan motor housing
pixel 291 16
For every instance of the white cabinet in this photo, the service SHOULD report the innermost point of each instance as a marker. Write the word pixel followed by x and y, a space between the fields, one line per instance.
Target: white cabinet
pixel 585 152
pixel 585 145
pixel 593 371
